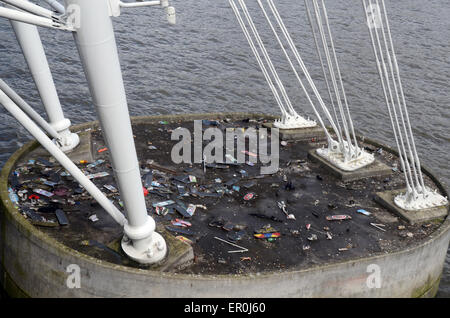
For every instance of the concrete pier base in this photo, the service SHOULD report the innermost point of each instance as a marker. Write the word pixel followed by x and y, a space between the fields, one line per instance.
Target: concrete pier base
pixel 386 199
pixel 304 134
pixel 34 263
pixel 376 169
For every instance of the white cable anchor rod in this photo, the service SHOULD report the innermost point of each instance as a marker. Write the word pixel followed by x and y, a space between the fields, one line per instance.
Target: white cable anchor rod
pixel 294 70
pixel 28 110
pixel 302 64
pixel 407 137
pixel 32 19
pixel 347 152
pixel 394 55
pixel 340 77
pixel 383 84
pixel 258 57
pixel 58 7
pixel 394 109
pixel 32 8
pixel 266 55
pixel 322 64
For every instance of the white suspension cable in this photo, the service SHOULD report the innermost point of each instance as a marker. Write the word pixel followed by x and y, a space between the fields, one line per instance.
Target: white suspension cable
pixel 394 109
pixel 407 137
pixel 257 56
pixel 32 8
pixel 29 110
pixel 293 69
pixel 383 84
pixel 25 17
pixel 56 6
pixel 302 65
pixel 266 56
pixel 419 169
pixel 340 77
pixel 322 64
pixel 347 152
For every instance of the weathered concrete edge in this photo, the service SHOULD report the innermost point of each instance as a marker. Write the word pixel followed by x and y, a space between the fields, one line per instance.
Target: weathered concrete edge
pixel 29 230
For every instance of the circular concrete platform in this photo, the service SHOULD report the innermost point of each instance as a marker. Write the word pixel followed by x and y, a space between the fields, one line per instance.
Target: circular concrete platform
pixel 35 264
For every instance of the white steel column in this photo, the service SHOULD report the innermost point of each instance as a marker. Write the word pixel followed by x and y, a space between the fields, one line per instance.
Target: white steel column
pixel 98 52
pixel 33 51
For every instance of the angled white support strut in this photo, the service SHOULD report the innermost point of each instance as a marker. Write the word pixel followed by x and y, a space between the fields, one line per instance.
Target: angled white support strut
pixel 34 130
pixel 33 51
pixel 98 52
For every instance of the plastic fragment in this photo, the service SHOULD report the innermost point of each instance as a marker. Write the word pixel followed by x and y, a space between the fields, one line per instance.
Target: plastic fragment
pixel 362 211
pixel 93 218
pixel 340 217
pixel 249 196
pixel 184 239
pixel 267 235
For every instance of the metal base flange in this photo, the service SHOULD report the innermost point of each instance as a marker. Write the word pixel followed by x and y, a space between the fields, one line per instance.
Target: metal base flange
pixel 155 253
pixel 68 142
pixel 419 201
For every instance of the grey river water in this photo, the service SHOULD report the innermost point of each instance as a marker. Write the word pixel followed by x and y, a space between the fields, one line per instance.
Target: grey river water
pixel 204 64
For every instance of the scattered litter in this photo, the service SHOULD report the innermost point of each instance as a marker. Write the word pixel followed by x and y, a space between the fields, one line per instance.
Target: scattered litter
pixel 362 211
pixel 164 203
pixel 249 196
pixel 97 175
pixel 184 239
pixel 192 179
pixel 161 210
pixel 180 230
pixel 93 218
pixel 241 249
pixel 61 216
pixel 282 206
pixel 267 235
pixel 110 188
pixel 236 236
pixel 182 223
pixel 338 217
pixel 43 192
pixel 378 226
pixel 313 237
pixel 102 150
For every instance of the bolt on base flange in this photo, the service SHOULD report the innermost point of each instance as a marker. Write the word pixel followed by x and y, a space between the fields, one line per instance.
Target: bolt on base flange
pixel 156 251
pixel 67 142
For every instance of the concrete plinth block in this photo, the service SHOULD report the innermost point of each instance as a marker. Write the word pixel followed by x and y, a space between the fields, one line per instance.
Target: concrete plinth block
pixel 386 199
pixel 302 134
pixel 375 169
pixel 84 150
pixel 81 152
pixel 180 254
